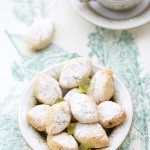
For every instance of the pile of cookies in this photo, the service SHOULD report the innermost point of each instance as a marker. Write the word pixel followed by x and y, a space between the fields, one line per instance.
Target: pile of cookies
pixel 78 118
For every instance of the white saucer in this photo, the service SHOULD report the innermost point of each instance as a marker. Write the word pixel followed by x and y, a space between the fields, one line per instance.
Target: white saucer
pixel 94 17
pixel 118 15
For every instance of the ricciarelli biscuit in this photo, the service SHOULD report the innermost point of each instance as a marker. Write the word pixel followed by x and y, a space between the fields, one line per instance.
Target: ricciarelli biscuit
pixel 92 135
pixel 62 141
pixel 83 109
pixel 36 116
pixel 58 118
pixel 111 114
pixel 47 89
pixel 101 86
pixel 73 72
pixel 40 34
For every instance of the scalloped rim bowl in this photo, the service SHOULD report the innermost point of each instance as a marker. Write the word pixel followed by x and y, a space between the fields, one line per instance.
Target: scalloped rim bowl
pixel 35 140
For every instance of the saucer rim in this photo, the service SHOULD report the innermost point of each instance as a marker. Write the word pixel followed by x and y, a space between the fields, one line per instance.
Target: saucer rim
pixel 107 23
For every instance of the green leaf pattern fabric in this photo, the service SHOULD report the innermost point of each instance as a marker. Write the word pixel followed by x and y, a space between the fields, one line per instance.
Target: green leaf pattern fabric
pixel 117 50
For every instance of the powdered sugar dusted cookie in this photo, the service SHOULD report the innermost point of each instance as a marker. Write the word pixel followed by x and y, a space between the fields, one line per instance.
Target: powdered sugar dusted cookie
pixel 69 94
pixel 58 118
pixel 36 116
pixel 101 86
pixel 47 89
pixel 40 34
pixel 74 72
pixel 92 135
pixel 84 109
pixel 111 114
pixel 62 141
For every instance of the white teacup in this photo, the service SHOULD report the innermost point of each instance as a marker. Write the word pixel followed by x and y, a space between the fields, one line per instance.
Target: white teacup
pixel 119 4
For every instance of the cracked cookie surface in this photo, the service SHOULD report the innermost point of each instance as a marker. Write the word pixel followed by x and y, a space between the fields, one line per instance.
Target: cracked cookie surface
pixel 101 86
pixel 92 135
pixel 62 141
pixel 47 89
pixel 83 108
pixel 73 72
pixel 58 118
pixel 36 116
pixel 111 114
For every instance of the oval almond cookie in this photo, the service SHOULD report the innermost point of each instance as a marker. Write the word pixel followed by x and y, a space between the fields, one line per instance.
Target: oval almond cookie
pixel 73 72
pixel 40 34
pixel 101 86
pixel 92 135
pixel 111 114
pixel 47 89
pixel 58 118
pixel 62 141
pixel 83 108
pixel 37 115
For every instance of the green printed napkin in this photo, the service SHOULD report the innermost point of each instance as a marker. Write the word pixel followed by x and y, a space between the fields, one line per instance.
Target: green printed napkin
pixel 125 52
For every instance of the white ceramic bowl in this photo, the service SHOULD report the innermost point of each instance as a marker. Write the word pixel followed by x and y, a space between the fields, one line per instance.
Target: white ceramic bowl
pixel 37 142
pixel 119 4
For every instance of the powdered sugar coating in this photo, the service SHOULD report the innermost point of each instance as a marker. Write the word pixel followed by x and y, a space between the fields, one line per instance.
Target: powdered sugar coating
pixel 70 93
pixel 101 86
pixel 92 134
pixel 109 110
pixel 62 141
pixel 111 114
pixel 83 108
pixel 74 72
pixel 58 118
pixel 89 129
pixel 47 89
pixel 40 34
pixel 36 116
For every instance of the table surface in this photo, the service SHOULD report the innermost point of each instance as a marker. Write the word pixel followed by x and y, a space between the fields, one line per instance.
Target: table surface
pixel 125 52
